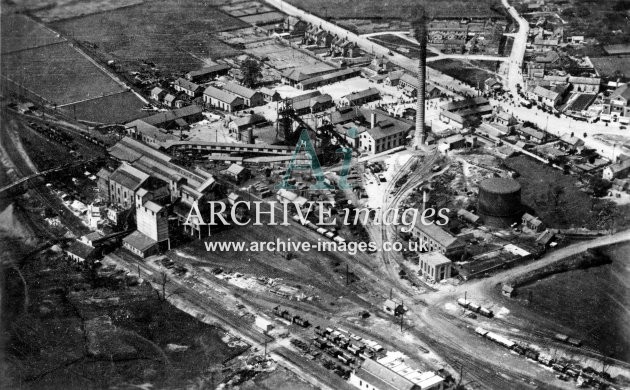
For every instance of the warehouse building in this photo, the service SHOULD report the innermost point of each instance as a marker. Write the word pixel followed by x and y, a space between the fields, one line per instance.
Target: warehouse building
pixel 435 266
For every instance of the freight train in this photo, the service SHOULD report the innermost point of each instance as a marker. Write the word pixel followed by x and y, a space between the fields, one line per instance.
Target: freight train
pixel 475 308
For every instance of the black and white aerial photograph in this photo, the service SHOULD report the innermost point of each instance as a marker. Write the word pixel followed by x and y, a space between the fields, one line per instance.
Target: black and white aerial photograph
pixel 314 194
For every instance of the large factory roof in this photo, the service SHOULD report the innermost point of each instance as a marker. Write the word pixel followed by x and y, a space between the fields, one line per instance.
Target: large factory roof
pixel 437 234
pixel 500 185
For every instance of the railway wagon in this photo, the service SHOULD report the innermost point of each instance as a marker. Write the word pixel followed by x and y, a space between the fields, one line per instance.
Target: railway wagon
pixel 463 303
pixel 500 340
pixel 301 321
pixel 481 331
pixel 486 312
pixel 474 307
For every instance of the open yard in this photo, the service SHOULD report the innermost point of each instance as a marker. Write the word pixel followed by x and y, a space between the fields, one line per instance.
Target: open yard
pixel 400 45
pixel 174 37
pixel 283 57
pixel 462 70
pixel 58 73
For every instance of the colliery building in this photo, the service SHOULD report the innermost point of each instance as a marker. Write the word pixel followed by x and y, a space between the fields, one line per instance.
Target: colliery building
pixel 437 239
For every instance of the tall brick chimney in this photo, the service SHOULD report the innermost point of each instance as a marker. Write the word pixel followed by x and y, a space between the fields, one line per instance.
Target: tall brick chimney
pixel 421 93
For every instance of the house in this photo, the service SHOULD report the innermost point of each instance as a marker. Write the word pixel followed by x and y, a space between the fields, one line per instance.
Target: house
pixel 617 105
pixel 531 134
pixel 505 118
pixel 410 83
pixel 533 223
pixel 124 183
pixel 492 84
pixel 188 87
pixel 576 39
pixel 270 95
pixel 250 97
pixel 80 252
pixel 236 172
pixel 435 238
pixel 345 115
pixel 547 58
pixel 493 131
pixel 208 73
pixel 459 113
pixel 435 266
pixel 550 97
pixel 585 84
pixel 169 100
pixel 394 77
pixel 617 171
pixel 573 144
pixel 361 97
pixel 383 133
pixel 221 99
pixel 544 238
pixel 158 94
pixel 344 48
pixel 454 119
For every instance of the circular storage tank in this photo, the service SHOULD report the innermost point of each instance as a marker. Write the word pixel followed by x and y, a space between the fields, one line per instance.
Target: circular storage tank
pixel 499 201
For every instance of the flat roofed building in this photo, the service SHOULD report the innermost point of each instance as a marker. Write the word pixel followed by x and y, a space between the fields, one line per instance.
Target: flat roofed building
pixel 372 375
pixel 435 266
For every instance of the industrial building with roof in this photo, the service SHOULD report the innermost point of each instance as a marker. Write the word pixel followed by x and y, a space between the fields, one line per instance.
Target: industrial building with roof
pixel 434 266
pixel 434 238
pixel 251 98
pixel 390 373
pixel 359 98
pixel 383 132
pixel 221 99
pixel 208 73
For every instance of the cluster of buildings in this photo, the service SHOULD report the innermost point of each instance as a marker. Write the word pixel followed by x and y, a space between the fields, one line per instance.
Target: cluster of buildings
pixel 466 34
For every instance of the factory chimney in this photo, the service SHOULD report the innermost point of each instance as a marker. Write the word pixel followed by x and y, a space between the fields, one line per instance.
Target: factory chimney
pixel 421 36
pixel 372 120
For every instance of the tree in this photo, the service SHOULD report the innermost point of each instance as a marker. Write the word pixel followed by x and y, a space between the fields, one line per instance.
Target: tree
pixel 252 71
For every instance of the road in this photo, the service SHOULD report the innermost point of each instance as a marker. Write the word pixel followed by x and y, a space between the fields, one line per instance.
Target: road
pixel 515 64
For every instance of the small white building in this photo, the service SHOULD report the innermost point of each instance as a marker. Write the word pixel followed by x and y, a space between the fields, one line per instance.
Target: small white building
pixel 263 324
pixel 435 266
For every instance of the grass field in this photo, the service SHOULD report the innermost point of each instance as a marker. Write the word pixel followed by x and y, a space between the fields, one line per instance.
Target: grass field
pixel 383 9
pixel 20 32
pixel 119 108
pixel 464 71
pixel 574 209
pixel 58 73
pixel 174 37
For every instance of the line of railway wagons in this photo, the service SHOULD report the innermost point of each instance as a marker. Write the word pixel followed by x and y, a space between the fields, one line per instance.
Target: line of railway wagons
pixel 343 346
pixel 564 370
pixel 324 232
pixel 285 314
pixel 475 308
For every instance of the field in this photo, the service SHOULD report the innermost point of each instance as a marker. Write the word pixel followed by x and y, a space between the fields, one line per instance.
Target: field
pixel 343 9
pixel 611 66
pixel 20 32
pixel 173 37
pixel 119 108
pixel 58 73
pixel 284 57
pixel 574 208
pixel 462 70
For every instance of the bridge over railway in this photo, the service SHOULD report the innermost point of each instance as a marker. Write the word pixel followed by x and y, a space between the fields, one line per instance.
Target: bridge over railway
pixel 227 147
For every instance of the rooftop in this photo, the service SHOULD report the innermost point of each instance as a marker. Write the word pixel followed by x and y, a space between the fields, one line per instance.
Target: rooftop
pixel 362 94
pixel 128 177
pixel 139 241
pixel 436 233
pixel 434 259
pixel 239 90
pixel 382 377
pixel 220 94
pixel 500 185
